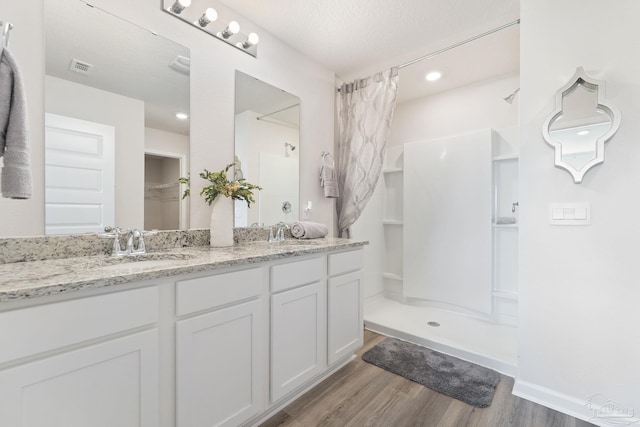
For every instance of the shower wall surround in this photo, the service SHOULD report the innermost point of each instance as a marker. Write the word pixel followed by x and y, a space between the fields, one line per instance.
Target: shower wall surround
pixel 447 221
pixel 450 223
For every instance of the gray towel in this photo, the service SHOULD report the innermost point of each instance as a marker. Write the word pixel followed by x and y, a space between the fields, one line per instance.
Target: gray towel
pixel 328 179
pixel 308 230
pixel 15 179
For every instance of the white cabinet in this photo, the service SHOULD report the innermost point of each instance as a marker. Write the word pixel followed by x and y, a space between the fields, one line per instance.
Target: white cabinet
pixel 114 383
pixel 62 365
pixel 298 324
pixel 219 376
pixel 203 349
pixel 344 302
pixel 219 354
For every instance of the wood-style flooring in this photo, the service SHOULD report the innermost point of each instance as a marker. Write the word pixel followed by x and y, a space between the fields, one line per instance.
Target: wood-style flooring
pixel 361 394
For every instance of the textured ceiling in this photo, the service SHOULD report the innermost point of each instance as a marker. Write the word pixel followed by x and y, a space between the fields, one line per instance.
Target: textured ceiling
pixel 347 36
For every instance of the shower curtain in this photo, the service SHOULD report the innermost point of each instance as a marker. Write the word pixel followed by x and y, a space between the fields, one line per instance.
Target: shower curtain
pixel 365 112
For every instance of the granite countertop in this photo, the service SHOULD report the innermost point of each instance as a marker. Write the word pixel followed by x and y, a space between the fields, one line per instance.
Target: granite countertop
pixel 23 280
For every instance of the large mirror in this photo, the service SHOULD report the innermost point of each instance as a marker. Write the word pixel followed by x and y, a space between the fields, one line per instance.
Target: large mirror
pixel 580 125
pixel 267 149
pixel 114 145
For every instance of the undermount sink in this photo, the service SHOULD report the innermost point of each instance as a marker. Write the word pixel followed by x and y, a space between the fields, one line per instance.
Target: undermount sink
pixel 147 260
pixel 301 242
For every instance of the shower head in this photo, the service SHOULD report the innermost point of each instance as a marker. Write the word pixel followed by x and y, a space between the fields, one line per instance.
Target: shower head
pixel 292 147
pixel 509 99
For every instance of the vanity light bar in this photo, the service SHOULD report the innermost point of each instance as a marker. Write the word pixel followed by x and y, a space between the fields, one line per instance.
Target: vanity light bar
pixel 213 21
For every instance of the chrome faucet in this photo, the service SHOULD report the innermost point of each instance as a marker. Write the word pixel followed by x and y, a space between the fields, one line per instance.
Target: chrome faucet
pixel 132 234
pixel 278 237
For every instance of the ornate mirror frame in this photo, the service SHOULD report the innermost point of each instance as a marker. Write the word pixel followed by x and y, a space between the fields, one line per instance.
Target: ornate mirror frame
pixel 581 78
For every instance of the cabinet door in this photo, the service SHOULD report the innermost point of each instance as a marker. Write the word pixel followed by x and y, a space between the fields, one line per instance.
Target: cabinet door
pixel 219 366
pixel 114 383
pixel 298 337
pixel 345 316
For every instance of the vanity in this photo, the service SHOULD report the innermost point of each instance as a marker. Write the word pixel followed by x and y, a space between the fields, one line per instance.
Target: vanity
pixel 191 336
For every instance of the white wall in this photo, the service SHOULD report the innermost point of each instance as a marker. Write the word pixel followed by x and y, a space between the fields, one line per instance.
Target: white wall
pixel 579 317
pixel 212 98
pixel 126 115
pixel 458 111
pixel 463 110
pixel 166 142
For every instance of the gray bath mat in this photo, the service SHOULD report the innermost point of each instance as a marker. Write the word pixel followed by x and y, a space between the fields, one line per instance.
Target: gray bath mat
pixel 462 380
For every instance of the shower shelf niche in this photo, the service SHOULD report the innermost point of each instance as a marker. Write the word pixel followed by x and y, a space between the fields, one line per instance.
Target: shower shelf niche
pixel 505 236
pixel 392 219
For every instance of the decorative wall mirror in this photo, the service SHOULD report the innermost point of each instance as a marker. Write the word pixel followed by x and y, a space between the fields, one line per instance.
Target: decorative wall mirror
pixel 580 125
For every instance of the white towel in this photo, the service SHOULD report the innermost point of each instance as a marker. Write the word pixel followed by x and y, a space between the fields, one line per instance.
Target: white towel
pixel 15 180
pixel 328 179
pixel 308 230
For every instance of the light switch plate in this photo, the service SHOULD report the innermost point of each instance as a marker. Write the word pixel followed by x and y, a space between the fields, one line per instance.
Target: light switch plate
pixel 569 214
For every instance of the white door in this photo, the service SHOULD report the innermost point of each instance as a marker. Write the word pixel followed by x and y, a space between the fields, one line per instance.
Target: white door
pixel 298 337
pixel 114 383
pixel 219 371
pixel 79 175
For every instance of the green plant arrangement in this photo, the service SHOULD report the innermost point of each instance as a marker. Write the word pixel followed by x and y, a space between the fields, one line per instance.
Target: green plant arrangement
pixel 239 189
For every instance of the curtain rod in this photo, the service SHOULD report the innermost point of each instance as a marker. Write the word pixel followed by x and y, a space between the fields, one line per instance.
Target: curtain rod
pixel 453 46
pixel 278 111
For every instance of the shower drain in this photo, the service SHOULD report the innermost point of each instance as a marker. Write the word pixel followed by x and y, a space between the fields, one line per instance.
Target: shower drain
pixel 434 324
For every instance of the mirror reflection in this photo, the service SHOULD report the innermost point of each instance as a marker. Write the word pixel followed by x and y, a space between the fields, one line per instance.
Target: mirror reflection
pixel 114 146
pixel 580 125
pixel 267 147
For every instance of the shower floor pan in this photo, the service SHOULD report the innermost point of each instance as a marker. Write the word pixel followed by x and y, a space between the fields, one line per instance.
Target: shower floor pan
pixel 486 344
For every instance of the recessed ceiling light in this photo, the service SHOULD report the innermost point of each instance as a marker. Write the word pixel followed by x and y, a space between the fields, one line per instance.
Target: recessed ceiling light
pixel 182 116
pixel 433 76
pixel 583 132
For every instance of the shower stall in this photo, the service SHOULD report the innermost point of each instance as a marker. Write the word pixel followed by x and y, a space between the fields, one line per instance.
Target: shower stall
pixel 450 231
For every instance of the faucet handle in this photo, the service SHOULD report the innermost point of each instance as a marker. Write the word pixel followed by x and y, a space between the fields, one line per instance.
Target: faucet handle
pixel 272 237
pixel 112 233
pixel 142 247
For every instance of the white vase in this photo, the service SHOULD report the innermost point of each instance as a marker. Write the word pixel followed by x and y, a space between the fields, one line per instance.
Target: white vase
pixel 221 226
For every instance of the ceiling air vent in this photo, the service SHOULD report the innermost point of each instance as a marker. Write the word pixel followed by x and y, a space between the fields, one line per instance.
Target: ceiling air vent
pixel 181 63
pixel 81 67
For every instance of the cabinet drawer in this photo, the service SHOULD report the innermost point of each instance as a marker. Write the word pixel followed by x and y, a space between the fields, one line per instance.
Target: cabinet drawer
pixel 34 330
pixel 294 274
pixel 213 291
pixel 345 262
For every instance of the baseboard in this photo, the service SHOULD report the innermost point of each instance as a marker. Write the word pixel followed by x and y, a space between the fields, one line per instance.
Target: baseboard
pixel 501 366
pixel 570 405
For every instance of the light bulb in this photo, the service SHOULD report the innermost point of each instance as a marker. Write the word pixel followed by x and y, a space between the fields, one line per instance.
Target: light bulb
pixel 231 29
pixel 234 27
pixel 252 40
pixel 179 6
pixel 208 17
